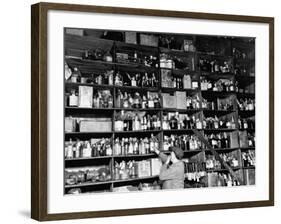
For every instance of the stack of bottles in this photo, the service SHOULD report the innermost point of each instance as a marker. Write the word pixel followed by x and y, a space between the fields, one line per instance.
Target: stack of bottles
pixel 218 123
pixel 102 99
pixel 226 180
pixel 135 146
pixel 176 121
pixel 87 174
pixel 214 66
pixel 105 78
pixel 137 58
pixel 249 158
pixel 88 149
pixel 192 102
pixel 195 170
pixel 226 105
pixel 213 164
pixel 128 100
pixel 251 139
pixel 185 142
pixel 246 104
pixel 174 62
pixel 131 121
pixel 219 140
pixel 246 123
pixel 132 169
pixel 221 85
pixel 136 80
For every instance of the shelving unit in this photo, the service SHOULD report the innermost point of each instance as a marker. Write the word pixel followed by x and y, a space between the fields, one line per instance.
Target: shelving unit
pixel 74 47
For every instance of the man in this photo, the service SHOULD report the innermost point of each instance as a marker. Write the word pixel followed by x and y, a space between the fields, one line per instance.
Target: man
pixel 172 175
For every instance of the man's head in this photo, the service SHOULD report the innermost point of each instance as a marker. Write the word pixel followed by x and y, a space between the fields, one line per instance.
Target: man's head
pixel 176 154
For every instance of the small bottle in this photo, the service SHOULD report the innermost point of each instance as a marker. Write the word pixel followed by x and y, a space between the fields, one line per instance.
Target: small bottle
pixel 73 99
pixel 76 75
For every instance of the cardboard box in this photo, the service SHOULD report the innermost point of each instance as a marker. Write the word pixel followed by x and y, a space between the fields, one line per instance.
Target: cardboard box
pixel 69 124
pixel 149 40
pixel 131 37
pixel 85 96
pixel 95 125
pixel 180 100
pixel 169 101
pixel 144 168
pixel 156 165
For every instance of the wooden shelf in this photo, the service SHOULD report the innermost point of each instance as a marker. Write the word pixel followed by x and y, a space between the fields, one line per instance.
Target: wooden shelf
pixel 91 66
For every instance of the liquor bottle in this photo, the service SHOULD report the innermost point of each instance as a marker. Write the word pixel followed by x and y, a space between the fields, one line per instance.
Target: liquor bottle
pixel 87 150
pixel 76 75
pixel 144 102
pixel 136 146
pixel 119 100
pixel 73 99
pixel 137 101
pixel 150 102
pixel 165 124
pixel 216 123
pixel 118 79
pixel 69 150
pixel 117 147
pixel 131 147
pixel 154 82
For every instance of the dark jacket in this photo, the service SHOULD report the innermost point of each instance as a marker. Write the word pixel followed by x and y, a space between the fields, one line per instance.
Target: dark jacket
pixel 173 175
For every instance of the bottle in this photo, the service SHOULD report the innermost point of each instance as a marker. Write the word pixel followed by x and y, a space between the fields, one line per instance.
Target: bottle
pixel 150 102
pixel 69 150
pixel 144 102
pixel 87 150
pixel 131 147
pixel 137 101
pixel 76 75
pixel 136 147
pixel 73 99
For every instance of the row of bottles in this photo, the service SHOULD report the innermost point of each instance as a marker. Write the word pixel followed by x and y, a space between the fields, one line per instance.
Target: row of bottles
pixel 224 179
pixel 176 121
pixel 148 60
pixel 135 146
pixel 127 100
pixel 246 104
pixel 185 142
pixel 130 169
pixel 246 123
pixel 227 105
pixel 219 140
pixel 214 66
pixel 130 121
pixel 217 123
pixel 184 82
pixel 248 158
pixel 88 149
pixel 221 85
pixel 193 102
pixel 174 62
pixel 213 164
pixel 195 170
pixel 136 80
pixel 87 174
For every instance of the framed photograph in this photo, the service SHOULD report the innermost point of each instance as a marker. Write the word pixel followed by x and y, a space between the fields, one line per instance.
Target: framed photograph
pixel 138 111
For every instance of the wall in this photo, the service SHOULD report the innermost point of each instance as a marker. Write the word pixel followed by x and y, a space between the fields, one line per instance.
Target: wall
pixel 15 110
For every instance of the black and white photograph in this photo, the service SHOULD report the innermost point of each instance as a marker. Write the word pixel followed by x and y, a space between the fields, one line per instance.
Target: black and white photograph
pixel 148 111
